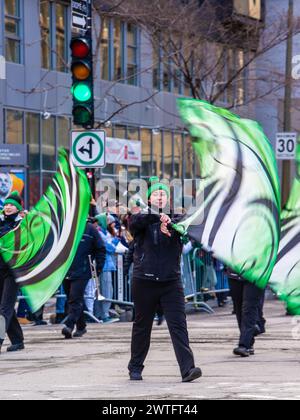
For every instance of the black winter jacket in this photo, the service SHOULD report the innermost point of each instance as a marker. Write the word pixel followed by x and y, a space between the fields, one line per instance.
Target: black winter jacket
pixel 91 244
pixel 156 256
pixel 7 223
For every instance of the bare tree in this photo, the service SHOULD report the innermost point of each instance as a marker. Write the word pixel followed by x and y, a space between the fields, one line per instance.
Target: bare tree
pixel 206 46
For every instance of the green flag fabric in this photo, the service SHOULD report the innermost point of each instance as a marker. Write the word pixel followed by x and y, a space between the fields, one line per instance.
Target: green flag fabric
pixel 42 248
pixel 238 216
pixel 285 279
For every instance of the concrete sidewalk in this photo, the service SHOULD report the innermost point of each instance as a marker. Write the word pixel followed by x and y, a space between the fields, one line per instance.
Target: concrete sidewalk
pixel 94 367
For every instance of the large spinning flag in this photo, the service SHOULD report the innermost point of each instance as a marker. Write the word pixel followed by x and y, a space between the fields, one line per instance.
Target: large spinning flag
pixel 41 250
pixel 238 215
pixel 285 279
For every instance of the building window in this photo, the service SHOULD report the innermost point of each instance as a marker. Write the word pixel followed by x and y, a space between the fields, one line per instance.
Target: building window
pixel 45 33
pixel 157 153
pixel 63 130
pixel 251 8
pixel 119 52
pixel 109 168
pixel 13 30
pixel 168 155
pixel 14 127
pixel 168 75
pixel 189 157
pixel 132 54
pixel 133 133
pixel 105 73
pixel 48 145
pixel 178 154
pixel 54 34
pixel 61 37
pixel 32 122
pixel 235 70
pixel 240 84
pixel 146 138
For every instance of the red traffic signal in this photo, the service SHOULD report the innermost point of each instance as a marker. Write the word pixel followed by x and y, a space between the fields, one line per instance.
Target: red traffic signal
pixel 80 48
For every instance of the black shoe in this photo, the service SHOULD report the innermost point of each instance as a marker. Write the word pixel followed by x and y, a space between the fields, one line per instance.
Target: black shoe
pixel 67 332
pixel 135 376
pixel 193 374
pixel 15 347
pixel 242 352
pixel 79 333
pixel 160 320
pixel 252 351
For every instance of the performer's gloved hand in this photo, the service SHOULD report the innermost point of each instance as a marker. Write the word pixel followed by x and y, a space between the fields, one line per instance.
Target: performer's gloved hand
pixel 165 229
pixel 164 218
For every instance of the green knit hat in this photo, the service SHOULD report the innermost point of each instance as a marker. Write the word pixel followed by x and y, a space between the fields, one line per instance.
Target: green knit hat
pixel 102 220
pixel 14 199
pixel 156 185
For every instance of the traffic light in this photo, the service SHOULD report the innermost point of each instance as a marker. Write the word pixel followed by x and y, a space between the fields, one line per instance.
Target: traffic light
pixel 83 82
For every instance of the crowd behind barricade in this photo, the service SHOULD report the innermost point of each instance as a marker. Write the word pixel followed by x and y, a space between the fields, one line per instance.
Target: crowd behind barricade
pixel 203 277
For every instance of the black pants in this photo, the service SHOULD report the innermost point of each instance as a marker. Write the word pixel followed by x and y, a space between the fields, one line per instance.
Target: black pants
pixel 247 302
pixel 75 293
pixel 261 319
pixel 8 298
pixel 147 295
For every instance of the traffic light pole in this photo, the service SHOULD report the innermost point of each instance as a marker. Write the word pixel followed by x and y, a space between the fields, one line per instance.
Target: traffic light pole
pixel 90 35
pixel 82 73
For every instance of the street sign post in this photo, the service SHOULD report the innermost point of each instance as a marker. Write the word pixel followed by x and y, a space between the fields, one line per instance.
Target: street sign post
pixel 80 14
pixel 88 148
pixel 286 145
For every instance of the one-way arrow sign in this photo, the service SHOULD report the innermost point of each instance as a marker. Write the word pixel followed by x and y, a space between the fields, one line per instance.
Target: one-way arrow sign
pixel 80 11
pixel 79 22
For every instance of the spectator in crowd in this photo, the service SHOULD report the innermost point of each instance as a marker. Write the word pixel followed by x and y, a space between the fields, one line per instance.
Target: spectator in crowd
pixel 108 234
pixel 222 283
pixel 78 277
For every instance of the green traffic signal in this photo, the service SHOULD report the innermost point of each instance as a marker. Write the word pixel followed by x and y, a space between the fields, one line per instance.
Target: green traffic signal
pixel 82 92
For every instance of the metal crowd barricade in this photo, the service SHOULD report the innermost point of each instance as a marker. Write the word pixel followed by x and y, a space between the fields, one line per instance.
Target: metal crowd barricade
pixel 194 277
pixel 121 285
pixel 200 280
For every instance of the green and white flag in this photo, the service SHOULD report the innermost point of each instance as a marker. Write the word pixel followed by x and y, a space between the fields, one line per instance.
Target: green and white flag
pixel 42 248
pixel 285 279
pixel 238 217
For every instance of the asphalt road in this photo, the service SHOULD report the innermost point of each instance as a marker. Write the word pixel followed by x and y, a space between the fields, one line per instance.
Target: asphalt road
pixel 94 367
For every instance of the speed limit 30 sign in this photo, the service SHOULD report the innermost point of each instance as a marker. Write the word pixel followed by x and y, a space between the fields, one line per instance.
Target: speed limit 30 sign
pixel 286 145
